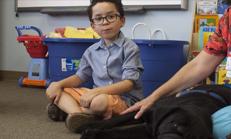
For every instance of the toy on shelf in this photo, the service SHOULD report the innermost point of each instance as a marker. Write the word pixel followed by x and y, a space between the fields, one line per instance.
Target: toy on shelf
pixel 205 20
pixel 221 74
pixel 204 34
pixel 37 72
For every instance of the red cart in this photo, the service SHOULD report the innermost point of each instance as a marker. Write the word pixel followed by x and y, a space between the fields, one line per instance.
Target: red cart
pixel 37 73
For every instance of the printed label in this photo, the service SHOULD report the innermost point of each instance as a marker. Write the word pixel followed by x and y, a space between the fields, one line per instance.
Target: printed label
pixel 69 64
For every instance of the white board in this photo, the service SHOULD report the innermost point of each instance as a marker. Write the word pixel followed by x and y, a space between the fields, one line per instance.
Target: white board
pixel 149 4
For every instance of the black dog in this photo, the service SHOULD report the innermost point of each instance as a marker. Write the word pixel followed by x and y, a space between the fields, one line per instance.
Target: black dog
pixel 184 117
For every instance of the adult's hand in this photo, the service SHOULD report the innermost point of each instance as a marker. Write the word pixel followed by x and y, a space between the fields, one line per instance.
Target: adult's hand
pixel 140 107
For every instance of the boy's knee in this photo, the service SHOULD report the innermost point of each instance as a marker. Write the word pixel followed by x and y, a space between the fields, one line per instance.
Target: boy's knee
pixel 99 104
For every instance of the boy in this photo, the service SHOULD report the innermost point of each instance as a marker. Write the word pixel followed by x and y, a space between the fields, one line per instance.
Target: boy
pixel 114 64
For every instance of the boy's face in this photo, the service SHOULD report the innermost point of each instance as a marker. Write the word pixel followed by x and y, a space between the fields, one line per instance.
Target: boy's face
pixel 106 20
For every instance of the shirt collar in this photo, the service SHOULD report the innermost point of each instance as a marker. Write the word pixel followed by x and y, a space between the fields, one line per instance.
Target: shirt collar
pixel 118 42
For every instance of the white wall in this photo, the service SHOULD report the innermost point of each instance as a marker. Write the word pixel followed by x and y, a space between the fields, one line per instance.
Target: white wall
pixel 13 56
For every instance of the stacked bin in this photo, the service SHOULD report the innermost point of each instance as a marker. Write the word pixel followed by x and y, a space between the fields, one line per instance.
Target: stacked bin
pixel 65 55
pixel 161 58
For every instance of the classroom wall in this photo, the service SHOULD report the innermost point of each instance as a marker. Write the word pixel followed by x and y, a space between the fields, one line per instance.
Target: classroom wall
pixel 13 56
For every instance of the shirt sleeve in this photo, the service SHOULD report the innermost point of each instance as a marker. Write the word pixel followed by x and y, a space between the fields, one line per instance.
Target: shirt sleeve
pixel 217 43
pixel 84 70
pixel 132 66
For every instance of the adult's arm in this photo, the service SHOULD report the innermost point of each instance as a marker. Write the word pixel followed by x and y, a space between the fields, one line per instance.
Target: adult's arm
pixel 193 72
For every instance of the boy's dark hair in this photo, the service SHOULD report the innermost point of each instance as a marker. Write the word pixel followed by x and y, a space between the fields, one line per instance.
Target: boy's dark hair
pixel 118 4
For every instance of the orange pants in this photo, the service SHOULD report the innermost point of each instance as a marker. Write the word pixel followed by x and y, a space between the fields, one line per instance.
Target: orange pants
pixel 115 104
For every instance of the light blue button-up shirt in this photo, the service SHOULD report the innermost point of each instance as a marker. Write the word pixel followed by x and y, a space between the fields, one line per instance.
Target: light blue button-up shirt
pixel 110 64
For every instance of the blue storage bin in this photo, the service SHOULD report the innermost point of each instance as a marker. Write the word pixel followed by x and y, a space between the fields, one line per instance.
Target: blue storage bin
pixel 161 59
pixel 64 56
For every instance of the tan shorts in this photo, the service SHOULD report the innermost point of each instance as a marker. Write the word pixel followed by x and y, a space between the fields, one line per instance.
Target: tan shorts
pixel 116 103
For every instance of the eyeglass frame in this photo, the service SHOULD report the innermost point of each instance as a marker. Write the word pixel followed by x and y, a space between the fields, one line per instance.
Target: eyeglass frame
pixel 106 18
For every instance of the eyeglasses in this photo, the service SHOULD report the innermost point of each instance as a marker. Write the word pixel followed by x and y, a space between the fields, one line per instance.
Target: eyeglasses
pixel 109 18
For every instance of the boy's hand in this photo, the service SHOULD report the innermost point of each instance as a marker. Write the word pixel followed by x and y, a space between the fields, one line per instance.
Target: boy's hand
pixel 53 92
pixel 86 98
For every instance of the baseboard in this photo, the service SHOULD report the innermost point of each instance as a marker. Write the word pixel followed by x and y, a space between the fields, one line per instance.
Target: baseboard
pixel 11 75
